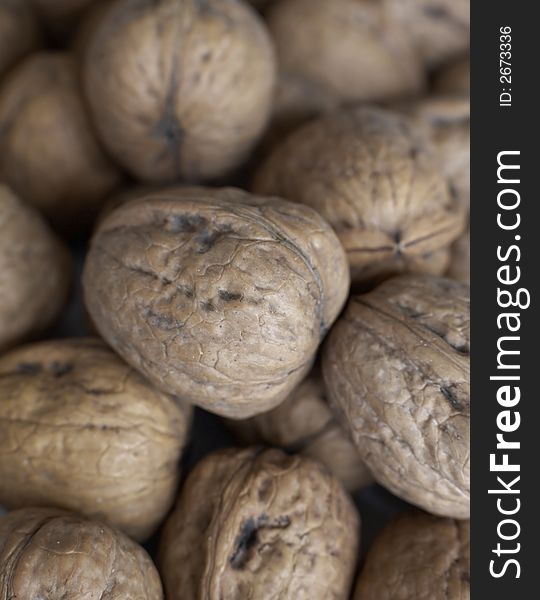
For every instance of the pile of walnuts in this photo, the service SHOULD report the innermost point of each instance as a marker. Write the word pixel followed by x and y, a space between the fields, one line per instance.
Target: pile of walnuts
pixel 234 299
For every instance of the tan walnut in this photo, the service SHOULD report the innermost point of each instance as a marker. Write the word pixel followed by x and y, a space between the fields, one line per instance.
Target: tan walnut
pixel 34 271
pixel 81 430
pixel 374 175
pixel 217 296
pixel 265 525
pixel 396 367
pixel 49 553
pixel 303 423
pixel 180 88
pixel 48 151
pixel 19 32
pixel 418 557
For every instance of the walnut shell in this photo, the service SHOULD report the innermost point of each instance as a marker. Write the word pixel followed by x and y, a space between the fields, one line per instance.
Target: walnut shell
pixel 460 263
pixel 373 175
pixel 348 47
pixel 180 88
pixel 439 29
pixel 34 271
pixel 454 78
pixel 418 557
pixel 216 295
pixel 49 553
pixel 304 423
pixel 265 525
pixel 48 151
pixel 81 430
pixel 396 367
pixel 19 32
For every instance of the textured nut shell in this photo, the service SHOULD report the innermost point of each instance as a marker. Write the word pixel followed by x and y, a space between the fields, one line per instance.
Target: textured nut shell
pixel 48 151
pixel 454 78
pixel 48 553
pixel 19 33
pixel 34 271
pixel 216 295
pixel 180 88
pixel 396 367
pixel 265 526
pixel 418 557
pixel 372 174
pixel 348 47
pixel 439 29
pixel 460 264
pixel 303 423
pixel 81 430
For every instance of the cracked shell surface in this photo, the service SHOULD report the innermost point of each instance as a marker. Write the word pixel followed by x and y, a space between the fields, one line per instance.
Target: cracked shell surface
pixel 267 526
pixel 180 88
pixel 49 553
pixel 303 423
pixel 81 430
pixel 217 296
pixel 34 271
pixel 373 175
pixel 347 47
pixel 418 557
pixel 397 370
pixel 48 151
pixel 19 32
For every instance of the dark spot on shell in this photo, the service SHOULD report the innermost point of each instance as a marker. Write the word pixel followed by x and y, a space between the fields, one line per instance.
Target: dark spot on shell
pixel 161 321
pixel 436 12
pixel 60 369
pixel 246 539
pixel 207 56
pixel 29 368
pixel 452 400
pixel 264 490
pixel 229 296
pixel 187 291
pixel 208 306
pixel 207 239
pixel 184 223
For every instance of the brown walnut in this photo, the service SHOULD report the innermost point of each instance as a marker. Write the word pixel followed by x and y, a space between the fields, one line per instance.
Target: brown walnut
pixel 264 525
pixel 19 32
pixel 396 367
pixel 216 295
pixel 374 175
pixel 81 430
pixel 34 271
pixel 418 557
pixel 48 151
pixel 49 553
pixel 304 423
pixel 180 88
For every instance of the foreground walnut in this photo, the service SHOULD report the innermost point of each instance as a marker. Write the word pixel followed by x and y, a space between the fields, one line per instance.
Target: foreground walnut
pixel 19 32
pixel 396 367
pixel 418 557
pixel 264 525
pixel 81 430
pixel 349 48
pixel 180 88
pixel 304 423
pixel 216 295
pixel 49 553
pixel 48 152
pixel 34 272
pixel 374 176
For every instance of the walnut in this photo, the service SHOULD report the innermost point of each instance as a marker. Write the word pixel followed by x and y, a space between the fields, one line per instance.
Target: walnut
pixel 34 272
pixel 372 174
pixel 347 47
pixel 303 423
pixel 418 557
pixel 48 152
pixel 180 88
pixel 460 264
pixel 49 553
pixel 81 430
pixel 216 295
pixel 265 525
pixel 19 32
pixel 454 78
pixel 396 367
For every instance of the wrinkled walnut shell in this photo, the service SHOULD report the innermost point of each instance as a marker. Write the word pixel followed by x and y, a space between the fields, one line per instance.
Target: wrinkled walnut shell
pixel 48 151
pixel 303 423
pixel 347 47
pixel 460 263
pixel 81 430
pixel 265 525
pixel 418 557
pixel 49 553
pixel 19 32
pixel 217 296
pixel 455 78
pixel 373 175
pixel 34 272
pixel 180 88
pixel 396 367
